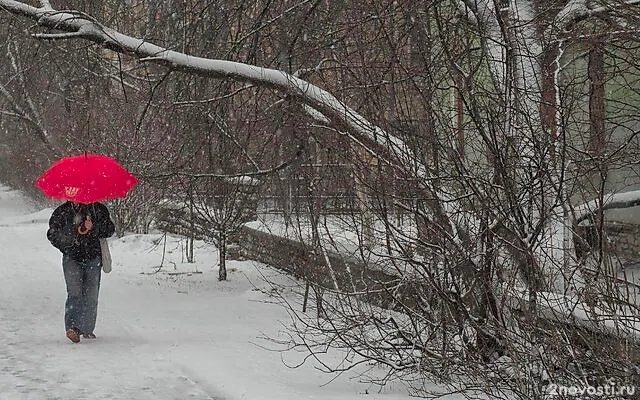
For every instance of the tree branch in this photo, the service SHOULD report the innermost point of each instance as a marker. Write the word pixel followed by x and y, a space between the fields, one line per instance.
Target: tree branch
pixel 33 121
pixel 52 36
pixel 357 127
pixel 611 201
pixel 578 10
pixel 240 178
pixel 79 26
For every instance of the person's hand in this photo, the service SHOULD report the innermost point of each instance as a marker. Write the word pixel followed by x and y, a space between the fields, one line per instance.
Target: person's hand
pixel 86 226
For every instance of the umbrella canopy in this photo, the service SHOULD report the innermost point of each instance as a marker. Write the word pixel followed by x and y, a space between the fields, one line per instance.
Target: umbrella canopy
pixel 86 178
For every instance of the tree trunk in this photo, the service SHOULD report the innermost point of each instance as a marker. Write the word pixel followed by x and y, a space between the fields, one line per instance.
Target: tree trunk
pixel 192 234
pixel 549 106
pixel 363 194
pixel 222 252
pixel 597 140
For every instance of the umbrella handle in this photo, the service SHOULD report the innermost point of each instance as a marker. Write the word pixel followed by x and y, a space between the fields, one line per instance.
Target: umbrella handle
pixel 86 226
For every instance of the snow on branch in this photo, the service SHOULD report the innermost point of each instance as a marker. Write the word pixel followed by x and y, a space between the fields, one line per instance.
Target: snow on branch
pixel 51 36
pixel 80 26
pixel 609 202
pixel 76 25
pixel 355 126
pixel 578 10
pixel 572 12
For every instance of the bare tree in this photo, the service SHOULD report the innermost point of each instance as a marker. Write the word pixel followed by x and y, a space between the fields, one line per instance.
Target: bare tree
pixel 481 153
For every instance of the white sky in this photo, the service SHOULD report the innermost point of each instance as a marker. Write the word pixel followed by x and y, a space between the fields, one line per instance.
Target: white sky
pixel 159 336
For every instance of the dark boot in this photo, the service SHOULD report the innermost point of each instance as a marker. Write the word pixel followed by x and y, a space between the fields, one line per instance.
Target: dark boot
pixel 73 334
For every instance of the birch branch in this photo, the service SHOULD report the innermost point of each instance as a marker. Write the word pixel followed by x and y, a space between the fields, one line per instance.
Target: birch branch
pixel 357 127
pixel 82 27
pixel 20 113
pixel 37 118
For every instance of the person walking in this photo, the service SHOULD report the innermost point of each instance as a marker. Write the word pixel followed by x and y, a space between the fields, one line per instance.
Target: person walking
pixel 76 229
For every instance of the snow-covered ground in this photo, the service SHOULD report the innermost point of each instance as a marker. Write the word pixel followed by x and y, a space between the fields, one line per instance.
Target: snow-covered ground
pixel 160 336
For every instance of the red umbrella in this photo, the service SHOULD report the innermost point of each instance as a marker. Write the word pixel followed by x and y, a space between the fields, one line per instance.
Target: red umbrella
pixel 86 178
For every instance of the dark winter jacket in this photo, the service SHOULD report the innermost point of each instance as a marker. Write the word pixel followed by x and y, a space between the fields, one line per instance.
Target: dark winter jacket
pixel 63 229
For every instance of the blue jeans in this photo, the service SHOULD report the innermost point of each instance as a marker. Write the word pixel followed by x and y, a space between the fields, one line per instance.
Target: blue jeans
pixel 83 285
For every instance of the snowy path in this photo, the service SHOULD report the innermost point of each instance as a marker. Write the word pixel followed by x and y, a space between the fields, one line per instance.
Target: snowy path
pixel 160 337
pixel 38 362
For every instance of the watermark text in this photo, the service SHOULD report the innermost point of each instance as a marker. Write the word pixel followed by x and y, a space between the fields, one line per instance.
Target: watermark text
pixel 610 389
